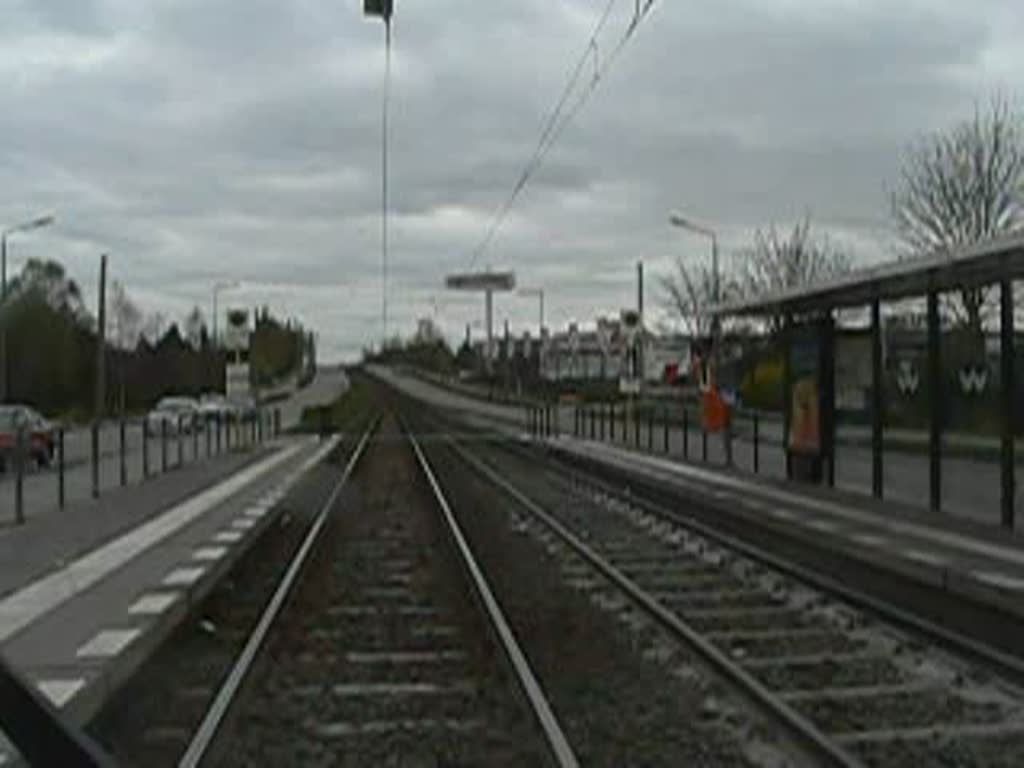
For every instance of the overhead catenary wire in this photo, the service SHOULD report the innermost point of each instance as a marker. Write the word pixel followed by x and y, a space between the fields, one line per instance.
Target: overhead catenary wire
pixel 559 118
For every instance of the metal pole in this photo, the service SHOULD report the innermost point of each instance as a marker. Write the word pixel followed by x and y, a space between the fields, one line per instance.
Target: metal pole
pixel 145 449
pixel 384 183
pixel 601 417
pixel 195 438
pixel 1009 388
pixel 650 430
pixel 686 433
pixel 665 424
pixel 703 443
pixel 124 466
pixel 208 424
pixel 94 444
pixel 636 430
pixel 611 422
pixel 934 405
pixel 19 475
pixel 757 445
pixel 3 320
pixel 181 447
pixel 163 445
pixel 787 390
pixel 220 430
pixel 60 467
pixel 877 401
pixel 101 342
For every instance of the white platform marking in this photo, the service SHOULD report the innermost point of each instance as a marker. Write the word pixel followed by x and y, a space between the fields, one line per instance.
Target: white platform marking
pixel 821 525
pixel 244 523
pixel 108 642
pixel 183 577
pixel 1001 580
pixel 228 537
pixel 153 603
pixel 209 553
pixel 782 514
pixel 28 604
pixel 928 558
pixel 871 540
pixel 59 692
pixel 256 511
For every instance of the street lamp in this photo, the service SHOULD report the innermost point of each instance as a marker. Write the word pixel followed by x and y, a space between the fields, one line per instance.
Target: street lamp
pixel 678 220
pixel 37 223
pixel 383 9
pixel 223 285
pixel 539 293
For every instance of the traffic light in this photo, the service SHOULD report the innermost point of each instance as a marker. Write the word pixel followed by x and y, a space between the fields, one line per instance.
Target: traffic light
pixel 380 8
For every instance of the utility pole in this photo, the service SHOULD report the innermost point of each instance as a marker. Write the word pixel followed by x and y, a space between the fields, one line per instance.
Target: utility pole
pixel 640 312
pixel 101 342
pixel 383 9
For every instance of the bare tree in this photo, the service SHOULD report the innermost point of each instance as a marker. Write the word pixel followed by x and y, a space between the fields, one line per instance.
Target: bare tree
pixel 126 316
pixel 689 291
pixel 781 262
pixel 960 186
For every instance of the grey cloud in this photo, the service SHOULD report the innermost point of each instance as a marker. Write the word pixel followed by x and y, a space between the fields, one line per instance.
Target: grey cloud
pixel 201 138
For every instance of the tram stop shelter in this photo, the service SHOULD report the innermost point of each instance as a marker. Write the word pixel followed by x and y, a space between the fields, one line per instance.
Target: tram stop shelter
pixel 808 346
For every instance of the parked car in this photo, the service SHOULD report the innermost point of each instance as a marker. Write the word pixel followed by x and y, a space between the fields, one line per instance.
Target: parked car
pixel 172 411
pixel 214 405
pixel 40 435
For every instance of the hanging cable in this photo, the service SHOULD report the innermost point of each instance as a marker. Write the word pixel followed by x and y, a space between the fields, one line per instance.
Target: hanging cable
pixel 559 119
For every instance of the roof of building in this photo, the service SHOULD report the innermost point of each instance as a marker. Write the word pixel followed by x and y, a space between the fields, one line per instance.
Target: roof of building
pixel 971 266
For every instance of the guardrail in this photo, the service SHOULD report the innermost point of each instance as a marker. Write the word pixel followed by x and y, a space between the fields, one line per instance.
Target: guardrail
pixel 126 449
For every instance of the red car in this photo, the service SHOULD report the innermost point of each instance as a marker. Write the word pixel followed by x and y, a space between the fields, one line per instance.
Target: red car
pixel 40 435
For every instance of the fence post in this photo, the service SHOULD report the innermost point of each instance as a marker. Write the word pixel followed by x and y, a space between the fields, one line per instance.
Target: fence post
pixel 611 422
pixel 703 443
pixel 195 438
pixel 593 421
pixel 163 444
pixel 650 430
pixel 124 467
pixel 601 416
pixel 181 444
pixel 757 457
pixel 686 433
pixel 19 477
pixel 145 448
pixel 208 427
pixel 220 430
pixel 60 467
pixel 666 429
pixel 625 424
pixel 95 435
pixel 636 428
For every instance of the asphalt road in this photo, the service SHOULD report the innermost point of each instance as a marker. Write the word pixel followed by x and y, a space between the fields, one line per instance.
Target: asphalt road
pixel 40 486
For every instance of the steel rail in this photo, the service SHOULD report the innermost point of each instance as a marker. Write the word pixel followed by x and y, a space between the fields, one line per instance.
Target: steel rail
pixel 557 742
pixel 809 735
pixel 208 728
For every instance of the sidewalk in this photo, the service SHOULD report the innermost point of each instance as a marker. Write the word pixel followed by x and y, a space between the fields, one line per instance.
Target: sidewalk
pixel 86 601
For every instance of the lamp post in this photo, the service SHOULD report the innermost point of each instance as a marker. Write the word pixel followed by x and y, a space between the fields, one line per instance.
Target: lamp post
pixel 223 285
pixel 37 223
pixel 677 220
pixel 539 293
pixel 383 9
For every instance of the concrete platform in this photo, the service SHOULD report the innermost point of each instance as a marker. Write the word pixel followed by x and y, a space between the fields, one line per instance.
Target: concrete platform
pixel 81 628
pixel 964 558
pixel 975 560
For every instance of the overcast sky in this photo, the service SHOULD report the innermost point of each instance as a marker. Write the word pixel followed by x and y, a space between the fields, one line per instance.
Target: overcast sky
pixel 200 140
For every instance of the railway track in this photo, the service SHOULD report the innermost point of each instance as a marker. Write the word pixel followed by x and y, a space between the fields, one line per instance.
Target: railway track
pixel 847 687
pixel 383 644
